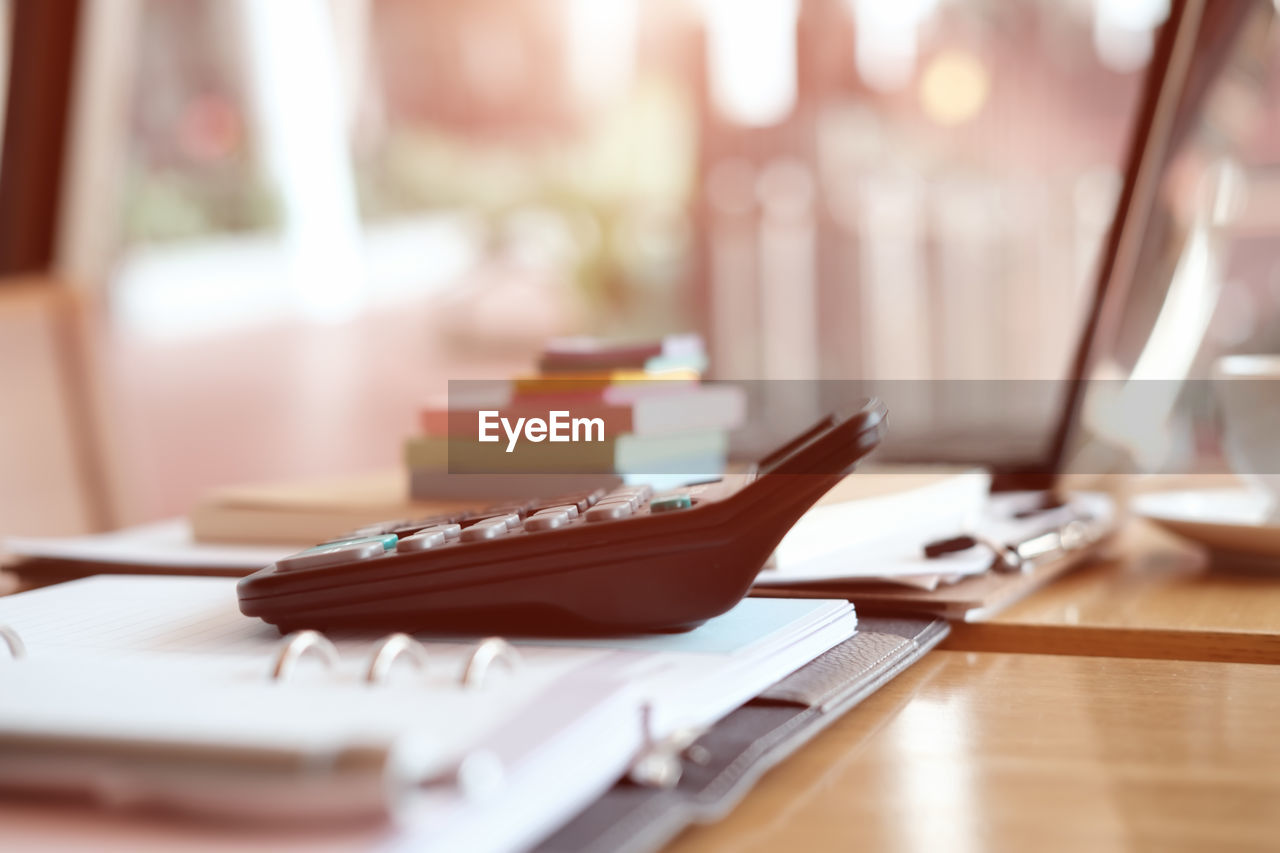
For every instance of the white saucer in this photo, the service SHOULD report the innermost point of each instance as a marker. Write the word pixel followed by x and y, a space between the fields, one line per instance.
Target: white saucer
pixel 1228 519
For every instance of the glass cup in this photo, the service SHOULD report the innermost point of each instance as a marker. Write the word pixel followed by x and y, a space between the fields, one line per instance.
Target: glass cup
pixel 1248 390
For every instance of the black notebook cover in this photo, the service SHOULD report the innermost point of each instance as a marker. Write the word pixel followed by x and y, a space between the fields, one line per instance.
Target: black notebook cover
pixel 740 748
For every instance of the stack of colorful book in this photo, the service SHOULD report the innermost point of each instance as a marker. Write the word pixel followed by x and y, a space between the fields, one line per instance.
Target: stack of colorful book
pixel 595 414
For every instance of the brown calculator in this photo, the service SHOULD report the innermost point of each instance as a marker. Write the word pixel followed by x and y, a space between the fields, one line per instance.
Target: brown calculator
pixel 627 560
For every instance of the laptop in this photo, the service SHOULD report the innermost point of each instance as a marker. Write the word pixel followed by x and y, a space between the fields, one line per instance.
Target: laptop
pixel 1032 469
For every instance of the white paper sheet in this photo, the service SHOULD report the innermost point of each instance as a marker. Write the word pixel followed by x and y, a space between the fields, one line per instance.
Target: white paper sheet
pixel 171 659
pixel 163 543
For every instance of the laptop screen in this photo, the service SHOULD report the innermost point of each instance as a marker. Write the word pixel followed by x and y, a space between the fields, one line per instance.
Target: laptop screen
pixel 1189 271
pixel 1195 266
pixel 964 208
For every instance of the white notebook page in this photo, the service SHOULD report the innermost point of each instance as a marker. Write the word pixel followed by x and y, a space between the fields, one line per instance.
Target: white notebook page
pixel 172 659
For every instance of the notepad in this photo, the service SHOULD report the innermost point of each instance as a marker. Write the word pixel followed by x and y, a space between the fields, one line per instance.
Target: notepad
pixel 168 668
pixel 872 528
pixel 167 546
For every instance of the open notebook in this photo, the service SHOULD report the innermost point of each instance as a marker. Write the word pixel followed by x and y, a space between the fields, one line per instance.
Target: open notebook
pixel 158 690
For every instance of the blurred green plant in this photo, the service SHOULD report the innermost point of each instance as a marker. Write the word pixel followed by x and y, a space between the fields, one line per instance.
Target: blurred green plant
pixel 164 205
pixel 619 183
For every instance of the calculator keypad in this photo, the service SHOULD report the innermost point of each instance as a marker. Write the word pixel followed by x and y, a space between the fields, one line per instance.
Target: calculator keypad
pixel 406 536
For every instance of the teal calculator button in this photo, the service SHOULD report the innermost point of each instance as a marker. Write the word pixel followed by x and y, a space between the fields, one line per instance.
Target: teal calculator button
pixel 333 554
pixel 670 503
pixel 387 540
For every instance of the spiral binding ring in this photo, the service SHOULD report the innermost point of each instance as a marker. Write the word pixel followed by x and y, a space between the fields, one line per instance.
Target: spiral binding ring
pixel 478 775
pixel 489 651
pixel 11 639
pixel 298 644
pixel 660 762
pixel 391 648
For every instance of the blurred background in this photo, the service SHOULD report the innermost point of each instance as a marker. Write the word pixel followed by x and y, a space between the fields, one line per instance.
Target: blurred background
pixel 275 227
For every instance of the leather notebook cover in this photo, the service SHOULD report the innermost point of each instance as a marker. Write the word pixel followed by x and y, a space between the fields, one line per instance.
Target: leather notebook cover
pixel 738 750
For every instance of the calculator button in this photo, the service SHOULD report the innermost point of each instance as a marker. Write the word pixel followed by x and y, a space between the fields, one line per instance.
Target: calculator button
pixel 450 531
pixel 619 495
pixel 408 528
pixel 519 510
pixel 622 500
pixel 388 541
pixel 369 531
pixel 488 529
pixel 640 493
pixel 421 542
pixel 547 521
pixel 609 511
pixel 510 519
pixel 550 501
pixel 332 555
pixel 670 503
pixel 582 501
pixel 571 509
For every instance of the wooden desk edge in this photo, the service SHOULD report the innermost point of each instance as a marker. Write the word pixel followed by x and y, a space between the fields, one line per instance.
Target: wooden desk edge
pixel 1086 641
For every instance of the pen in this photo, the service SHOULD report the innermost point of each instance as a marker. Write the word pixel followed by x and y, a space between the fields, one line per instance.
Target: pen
pixel 1020 554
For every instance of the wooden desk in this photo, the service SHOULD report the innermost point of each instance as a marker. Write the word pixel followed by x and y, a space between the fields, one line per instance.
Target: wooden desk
pixel 973 751
pixel 1158 598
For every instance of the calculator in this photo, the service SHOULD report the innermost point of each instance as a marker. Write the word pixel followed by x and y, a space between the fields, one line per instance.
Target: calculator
pixel 622 561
